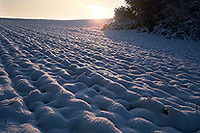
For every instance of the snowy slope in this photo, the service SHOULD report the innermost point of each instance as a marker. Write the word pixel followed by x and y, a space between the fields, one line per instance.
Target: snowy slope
pixel 69 76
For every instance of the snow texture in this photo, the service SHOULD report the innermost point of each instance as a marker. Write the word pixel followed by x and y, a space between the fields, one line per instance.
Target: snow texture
pixel 69 76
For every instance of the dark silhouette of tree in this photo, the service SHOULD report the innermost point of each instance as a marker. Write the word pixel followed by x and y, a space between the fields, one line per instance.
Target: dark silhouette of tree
pixel 166 17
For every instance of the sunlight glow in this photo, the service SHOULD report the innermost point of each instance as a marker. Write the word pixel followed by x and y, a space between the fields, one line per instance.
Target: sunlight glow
pixel 97 11
pixel 59 9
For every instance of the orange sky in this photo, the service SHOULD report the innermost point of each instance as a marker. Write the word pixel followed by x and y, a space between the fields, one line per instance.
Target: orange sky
pixel 59 9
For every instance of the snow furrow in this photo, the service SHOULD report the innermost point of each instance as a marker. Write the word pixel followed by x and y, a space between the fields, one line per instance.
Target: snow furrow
pixel 56 77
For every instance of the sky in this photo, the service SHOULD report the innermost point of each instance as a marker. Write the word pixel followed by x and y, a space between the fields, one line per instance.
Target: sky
pixel 59 9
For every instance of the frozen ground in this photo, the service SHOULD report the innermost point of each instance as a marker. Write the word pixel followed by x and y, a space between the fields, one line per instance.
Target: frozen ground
pixel 69 76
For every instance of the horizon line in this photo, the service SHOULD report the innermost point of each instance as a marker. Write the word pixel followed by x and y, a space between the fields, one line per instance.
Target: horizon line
pixel 61 19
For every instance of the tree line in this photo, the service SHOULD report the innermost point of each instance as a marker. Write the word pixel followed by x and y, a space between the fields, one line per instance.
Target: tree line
pixel 171 18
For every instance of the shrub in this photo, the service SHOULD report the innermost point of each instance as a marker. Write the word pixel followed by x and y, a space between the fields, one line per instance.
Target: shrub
pixel 171 18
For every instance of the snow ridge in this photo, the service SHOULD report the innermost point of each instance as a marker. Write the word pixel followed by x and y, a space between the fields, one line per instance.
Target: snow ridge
pixel 56 77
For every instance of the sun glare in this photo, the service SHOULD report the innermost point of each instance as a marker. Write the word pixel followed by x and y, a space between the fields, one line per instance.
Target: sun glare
pixel 97 11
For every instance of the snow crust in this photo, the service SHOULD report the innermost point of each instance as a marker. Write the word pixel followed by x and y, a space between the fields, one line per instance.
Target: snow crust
pixel 69 76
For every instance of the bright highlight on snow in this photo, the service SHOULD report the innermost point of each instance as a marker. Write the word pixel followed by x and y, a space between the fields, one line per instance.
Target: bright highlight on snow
pixel 72 77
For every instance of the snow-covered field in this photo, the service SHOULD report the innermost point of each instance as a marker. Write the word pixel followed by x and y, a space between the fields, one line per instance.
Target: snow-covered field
pixel 69 76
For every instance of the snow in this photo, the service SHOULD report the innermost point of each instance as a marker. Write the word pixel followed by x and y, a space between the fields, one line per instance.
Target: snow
pixel 69 76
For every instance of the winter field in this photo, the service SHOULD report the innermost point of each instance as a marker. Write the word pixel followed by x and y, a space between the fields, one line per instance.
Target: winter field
pixel 71 77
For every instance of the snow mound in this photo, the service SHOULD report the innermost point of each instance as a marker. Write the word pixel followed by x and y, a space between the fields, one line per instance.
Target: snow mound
pixel 69 76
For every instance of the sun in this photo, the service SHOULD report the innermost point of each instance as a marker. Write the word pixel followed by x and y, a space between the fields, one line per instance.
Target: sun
pixel 97 12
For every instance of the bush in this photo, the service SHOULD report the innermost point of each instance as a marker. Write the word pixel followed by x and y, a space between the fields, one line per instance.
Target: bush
pixel 171 18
